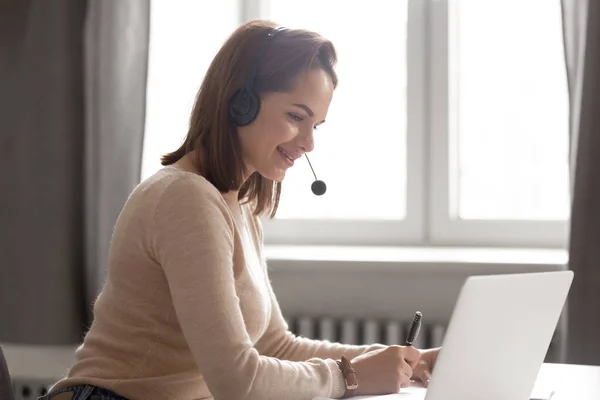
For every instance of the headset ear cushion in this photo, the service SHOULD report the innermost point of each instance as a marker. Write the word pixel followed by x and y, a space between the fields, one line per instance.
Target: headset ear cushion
pixel 244 107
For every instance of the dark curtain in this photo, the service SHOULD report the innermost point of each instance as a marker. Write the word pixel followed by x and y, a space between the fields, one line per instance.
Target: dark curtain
pixel 72 104
pixel 581 23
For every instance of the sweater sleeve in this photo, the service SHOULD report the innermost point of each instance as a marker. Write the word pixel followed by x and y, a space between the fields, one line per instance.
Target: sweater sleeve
pixel 193 239
pixel 279 342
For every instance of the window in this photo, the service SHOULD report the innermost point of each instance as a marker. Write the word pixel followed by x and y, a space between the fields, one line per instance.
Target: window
pixel 481 82
pixel 499 124
pixel 508 149
pixel 449 125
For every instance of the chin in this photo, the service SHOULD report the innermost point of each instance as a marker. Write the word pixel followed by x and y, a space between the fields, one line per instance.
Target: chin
pixel 276 176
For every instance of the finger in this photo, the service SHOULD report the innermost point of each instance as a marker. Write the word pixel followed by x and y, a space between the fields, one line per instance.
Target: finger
pixel 412 356
pixel 424 377
pixel 418 375
pixel 404 381
pixel 406 369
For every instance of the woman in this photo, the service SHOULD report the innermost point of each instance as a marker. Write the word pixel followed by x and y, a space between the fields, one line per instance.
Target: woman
pixel 187 310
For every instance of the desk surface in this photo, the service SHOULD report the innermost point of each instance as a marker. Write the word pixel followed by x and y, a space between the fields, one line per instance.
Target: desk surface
pixel 569 382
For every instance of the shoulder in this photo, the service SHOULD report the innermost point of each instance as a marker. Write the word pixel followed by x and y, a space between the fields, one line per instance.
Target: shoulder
pixel 174 195
pixel 170 181
pixel 171 185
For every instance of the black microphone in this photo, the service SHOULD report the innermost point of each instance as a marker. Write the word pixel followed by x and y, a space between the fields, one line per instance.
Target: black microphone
pixel 318 187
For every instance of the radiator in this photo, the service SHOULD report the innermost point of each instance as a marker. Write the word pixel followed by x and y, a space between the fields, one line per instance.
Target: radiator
pixel 388 332
pixel 364 331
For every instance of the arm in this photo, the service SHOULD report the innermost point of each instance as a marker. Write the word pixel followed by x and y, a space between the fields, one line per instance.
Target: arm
pixel 192 238
pixel 279 342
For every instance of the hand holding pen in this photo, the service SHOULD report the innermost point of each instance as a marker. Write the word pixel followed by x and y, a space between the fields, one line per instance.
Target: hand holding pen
pixel 390 369
pixel 422 371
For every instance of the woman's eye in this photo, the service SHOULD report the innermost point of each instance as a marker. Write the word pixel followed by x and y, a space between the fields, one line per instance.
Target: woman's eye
pixel 295 117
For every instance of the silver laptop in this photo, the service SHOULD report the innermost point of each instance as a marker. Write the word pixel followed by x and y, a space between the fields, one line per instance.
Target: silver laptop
pixel 498 336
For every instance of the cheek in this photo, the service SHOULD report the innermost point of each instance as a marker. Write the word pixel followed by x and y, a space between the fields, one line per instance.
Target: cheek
pixel 265 136
pixel 277 133
pixel 287 131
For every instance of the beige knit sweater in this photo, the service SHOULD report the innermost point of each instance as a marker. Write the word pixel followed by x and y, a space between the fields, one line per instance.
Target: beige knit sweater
pixel 187 310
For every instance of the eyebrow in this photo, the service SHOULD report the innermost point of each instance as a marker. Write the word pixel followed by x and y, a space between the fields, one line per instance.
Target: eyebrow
pixel 305 108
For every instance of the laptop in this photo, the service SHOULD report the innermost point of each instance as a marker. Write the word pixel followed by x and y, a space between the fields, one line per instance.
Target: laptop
pixel 497 339
pixel 498 336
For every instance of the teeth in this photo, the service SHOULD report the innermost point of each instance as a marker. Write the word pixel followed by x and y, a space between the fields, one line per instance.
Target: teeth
pixel 284 153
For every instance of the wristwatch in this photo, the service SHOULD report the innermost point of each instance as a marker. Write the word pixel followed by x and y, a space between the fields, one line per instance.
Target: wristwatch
pixel 349 377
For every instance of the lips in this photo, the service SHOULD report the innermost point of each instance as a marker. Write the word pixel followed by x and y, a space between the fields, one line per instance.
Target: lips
pixel 289 154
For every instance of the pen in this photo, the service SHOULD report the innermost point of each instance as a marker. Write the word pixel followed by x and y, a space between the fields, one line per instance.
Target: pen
pixel 414 329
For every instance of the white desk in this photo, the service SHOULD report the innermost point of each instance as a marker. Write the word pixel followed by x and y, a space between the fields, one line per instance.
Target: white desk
pixel 569 382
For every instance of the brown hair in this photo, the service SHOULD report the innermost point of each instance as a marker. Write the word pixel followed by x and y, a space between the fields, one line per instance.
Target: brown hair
pixel 287 55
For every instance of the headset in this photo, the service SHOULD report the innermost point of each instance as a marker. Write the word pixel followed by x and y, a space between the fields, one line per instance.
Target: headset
pixel 244 105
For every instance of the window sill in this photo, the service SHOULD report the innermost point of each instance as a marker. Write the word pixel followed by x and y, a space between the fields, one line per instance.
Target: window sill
pixel 428 258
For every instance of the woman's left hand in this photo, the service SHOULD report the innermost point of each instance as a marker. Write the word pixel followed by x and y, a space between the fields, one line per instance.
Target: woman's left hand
pixel 422 372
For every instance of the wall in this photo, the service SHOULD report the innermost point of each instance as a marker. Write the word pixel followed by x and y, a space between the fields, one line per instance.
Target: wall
pixel 389 282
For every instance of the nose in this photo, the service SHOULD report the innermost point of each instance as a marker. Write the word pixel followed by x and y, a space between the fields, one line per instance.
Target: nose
pixel 307 140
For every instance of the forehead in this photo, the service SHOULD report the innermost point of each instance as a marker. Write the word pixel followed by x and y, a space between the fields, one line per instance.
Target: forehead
pixel 314 82
pixel 313 88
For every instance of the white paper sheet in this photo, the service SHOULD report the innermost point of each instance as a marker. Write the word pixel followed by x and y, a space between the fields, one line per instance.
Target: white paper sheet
pixel 409 393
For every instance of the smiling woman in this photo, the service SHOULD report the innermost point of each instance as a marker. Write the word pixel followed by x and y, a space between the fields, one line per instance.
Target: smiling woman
pixel 187 309
pixel 293 82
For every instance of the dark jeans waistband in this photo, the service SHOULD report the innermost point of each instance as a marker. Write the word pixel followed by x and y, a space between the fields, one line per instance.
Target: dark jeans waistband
pixel 82 392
